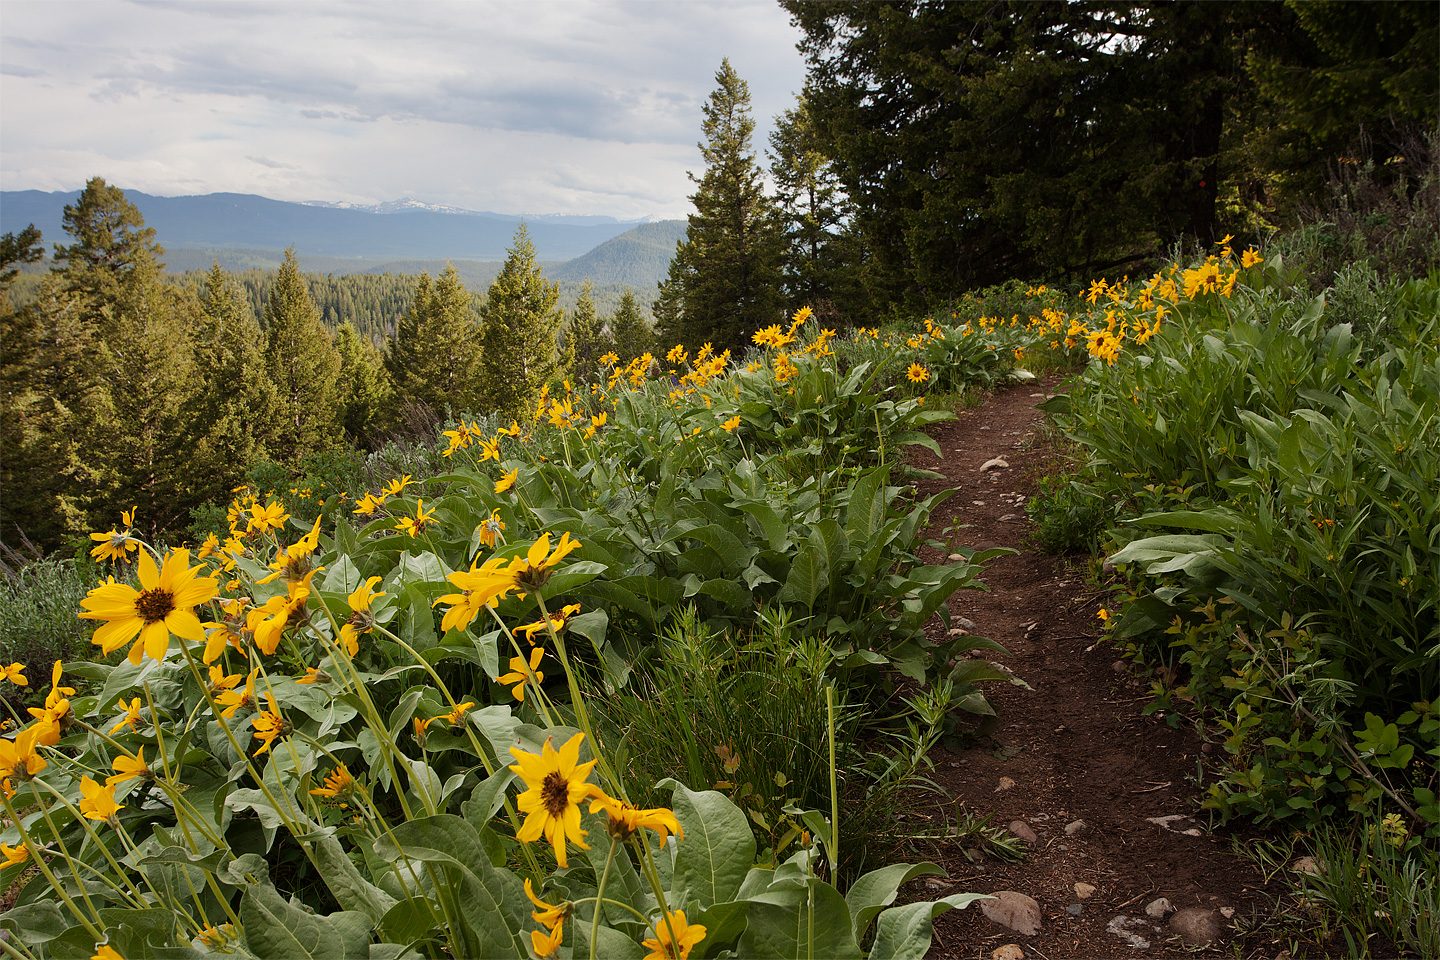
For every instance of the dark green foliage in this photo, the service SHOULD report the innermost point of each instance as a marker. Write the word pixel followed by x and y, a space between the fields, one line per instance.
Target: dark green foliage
pixel 17 250
pixel 517 333
pixel 1067 516
pixel 366 393
pixel 584 344
pixel 301 361
pixel 724 282
pixel 237 403
pixel 822 260
pixel 629 332
pixel 434 359
pixel 982 141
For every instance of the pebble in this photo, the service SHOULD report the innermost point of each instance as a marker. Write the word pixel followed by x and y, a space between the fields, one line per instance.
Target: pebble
pixel 1075 909
pixel 1005 784
pixel 1175 823
pixel 995 463
pixel 1022 830
pixel 1010 951
pixel 1118 666
pixel 1125 928
pixel 955 557
pixel 1084 890
pixel 1195 926
pixel 1307 865
pixel 1014 911
pixel 1159 909
pixel 1075 827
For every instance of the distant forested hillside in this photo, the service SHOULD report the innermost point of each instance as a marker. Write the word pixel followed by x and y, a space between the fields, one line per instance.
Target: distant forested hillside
pixel 638 258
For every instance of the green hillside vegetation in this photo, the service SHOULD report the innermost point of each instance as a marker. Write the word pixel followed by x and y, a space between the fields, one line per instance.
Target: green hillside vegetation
pixel 638 258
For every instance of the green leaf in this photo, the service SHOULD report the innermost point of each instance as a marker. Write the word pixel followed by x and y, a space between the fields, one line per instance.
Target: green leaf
pixel 492 901
pixel 36 922
pixel 903 933
pixel 876 890
pixel 711 863
pixel 351 890
pixel 782 924
pixel 276 930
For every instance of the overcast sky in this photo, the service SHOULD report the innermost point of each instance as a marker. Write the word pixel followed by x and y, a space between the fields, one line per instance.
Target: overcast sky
pixel 516 107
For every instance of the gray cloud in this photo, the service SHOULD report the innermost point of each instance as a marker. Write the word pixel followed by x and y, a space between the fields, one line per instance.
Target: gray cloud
pixel 568 102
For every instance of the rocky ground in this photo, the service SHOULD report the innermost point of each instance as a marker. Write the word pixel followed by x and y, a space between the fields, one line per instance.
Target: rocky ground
pixel 1102 800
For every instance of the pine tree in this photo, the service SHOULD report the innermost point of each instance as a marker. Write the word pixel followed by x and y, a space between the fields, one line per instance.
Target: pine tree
pixel 237 401
pixel 517 331
pixel 301 361
pixel 365 391
pixel 821 261
pixel 724 281
pixel 584 343
pixel 434 358
pixel 114 253
pixel 628 331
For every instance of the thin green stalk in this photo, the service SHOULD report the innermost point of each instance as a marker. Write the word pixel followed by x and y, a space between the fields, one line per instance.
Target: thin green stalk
pixel 600 894
pixel 34 849
pixel 834 792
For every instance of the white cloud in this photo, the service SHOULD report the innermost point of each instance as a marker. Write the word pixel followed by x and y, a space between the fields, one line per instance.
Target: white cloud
pixel 580 107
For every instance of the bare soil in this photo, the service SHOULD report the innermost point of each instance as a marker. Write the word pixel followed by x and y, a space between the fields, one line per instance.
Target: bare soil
pixel 1076 746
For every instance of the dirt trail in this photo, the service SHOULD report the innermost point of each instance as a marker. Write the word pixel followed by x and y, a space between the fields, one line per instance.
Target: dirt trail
pixel 1076 748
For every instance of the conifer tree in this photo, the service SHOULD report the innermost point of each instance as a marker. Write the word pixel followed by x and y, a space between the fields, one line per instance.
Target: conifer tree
pixel 236 403
pixel 518 327
pixel 628 331
pixel 301 361
pixel 724 281
pixel 584 344
pixel 821 260
pixel 364 386
pixel 434 358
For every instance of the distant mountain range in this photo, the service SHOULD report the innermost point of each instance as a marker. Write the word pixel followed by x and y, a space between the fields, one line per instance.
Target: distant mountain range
pixel 403 230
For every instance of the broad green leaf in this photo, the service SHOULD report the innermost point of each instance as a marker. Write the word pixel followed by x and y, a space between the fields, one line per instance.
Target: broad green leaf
pixel 351 890
pixel 718 849
pixel 492 900
pixel 782 925
pixel 35 922
pixel 876 890
pixel 277 930
pixel 903 933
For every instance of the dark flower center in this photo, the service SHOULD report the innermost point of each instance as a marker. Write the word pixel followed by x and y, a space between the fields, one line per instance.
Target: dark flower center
pixel 555 794
pixel 155 605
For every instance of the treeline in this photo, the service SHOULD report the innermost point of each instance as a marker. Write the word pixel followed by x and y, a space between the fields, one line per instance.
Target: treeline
pixel 125 388
pixel 937 148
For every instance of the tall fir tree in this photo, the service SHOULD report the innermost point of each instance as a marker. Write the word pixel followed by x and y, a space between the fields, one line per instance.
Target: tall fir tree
pixel 21 476
pixel 822 262
pixel 629 333
pixel 517 331
pixel 434 358
pixel 724 281
pixel 364 387
pixel 584 344
pixel 237 402
pixel 301 361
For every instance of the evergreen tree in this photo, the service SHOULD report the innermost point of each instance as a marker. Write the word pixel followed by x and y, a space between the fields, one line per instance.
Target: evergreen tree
pixel 141 439
pixel 15 249
pixel 434 359
pixel 628 331
pixel 821 262
pixel 237 401
pixel 301 361
pixel 517 331
pixel 583 341
pixel 364 385
pixel 724 281
pixel 112 247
